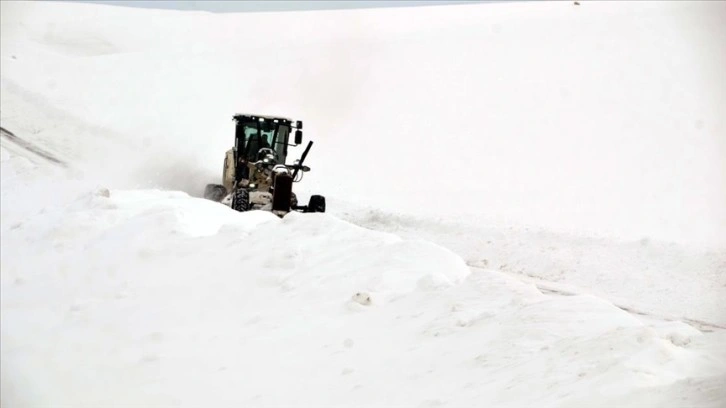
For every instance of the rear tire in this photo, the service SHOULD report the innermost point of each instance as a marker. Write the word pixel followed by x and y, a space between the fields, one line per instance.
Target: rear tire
pixel 214 192
pixel 241 200
pixel 316 204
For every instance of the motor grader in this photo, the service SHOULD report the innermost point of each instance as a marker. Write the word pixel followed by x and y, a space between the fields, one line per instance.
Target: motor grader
pixel 255 176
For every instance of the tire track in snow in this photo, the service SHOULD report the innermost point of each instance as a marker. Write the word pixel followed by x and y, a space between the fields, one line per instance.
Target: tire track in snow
pixel 551 288
pixel 31 147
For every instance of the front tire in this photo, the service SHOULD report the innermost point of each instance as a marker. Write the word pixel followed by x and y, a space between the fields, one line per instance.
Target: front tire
pixel 316 204
pixel 241 200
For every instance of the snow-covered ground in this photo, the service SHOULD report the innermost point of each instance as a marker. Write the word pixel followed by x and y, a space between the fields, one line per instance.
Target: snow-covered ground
pixel 526 207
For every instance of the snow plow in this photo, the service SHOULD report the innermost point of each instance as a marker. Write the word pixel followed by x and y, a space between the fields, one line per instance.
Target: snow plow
pixel 255 176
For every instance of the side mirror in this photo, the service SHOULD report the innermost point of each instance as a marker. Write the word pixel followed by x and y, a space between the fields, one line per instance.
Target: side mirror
pixel 298 124
pixel 298 136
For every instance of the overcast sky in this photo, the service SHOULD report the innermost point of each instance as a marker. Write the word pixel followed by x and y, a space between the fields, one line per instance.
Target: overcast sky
pixel 244 6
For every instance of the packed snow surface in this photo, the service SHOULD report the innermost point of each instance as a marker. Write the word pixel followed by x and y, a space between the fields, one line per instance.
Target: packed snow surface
pixel 526 207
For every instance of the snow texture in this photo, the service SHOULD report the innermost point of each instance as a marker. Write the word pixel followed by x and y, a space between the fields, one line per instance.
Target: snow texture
pixel 526 207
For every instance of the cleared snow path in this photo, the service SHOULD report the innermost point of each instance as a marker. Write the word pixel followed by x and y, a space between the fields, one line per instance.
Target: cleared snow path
pixel 667 280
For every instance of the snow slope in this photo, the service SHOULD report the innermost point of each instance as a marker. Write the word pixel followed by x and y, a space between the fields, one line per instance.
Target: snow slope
pixel 604 118
pixel 548 133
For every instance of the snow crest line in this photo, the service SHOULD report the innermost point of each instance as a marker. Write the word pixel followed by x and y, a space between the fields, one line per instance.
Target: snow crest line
pixel 31 147
pixel 547 287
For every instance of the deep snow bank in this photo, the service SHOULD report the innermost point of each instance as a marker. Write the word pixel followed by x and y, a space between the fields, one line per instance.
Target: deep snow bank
pixel 111 298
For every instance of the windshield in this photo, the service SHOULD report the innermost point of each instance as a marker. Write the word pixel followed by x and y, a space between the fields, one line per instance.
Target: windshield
pixel 259 134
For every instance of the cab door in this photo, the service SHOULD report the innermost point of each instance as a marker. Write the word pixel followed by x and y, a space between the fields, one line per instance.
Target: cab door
pixel 229 170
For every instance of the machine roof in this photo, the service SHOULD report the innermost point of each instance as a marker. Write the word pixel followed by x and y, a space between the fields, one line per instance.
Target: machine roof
pixel 262 116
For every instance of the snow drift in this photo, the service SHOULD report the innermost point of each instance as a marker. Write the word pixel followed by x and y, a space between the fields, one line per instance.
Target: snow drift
pixel 115 298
